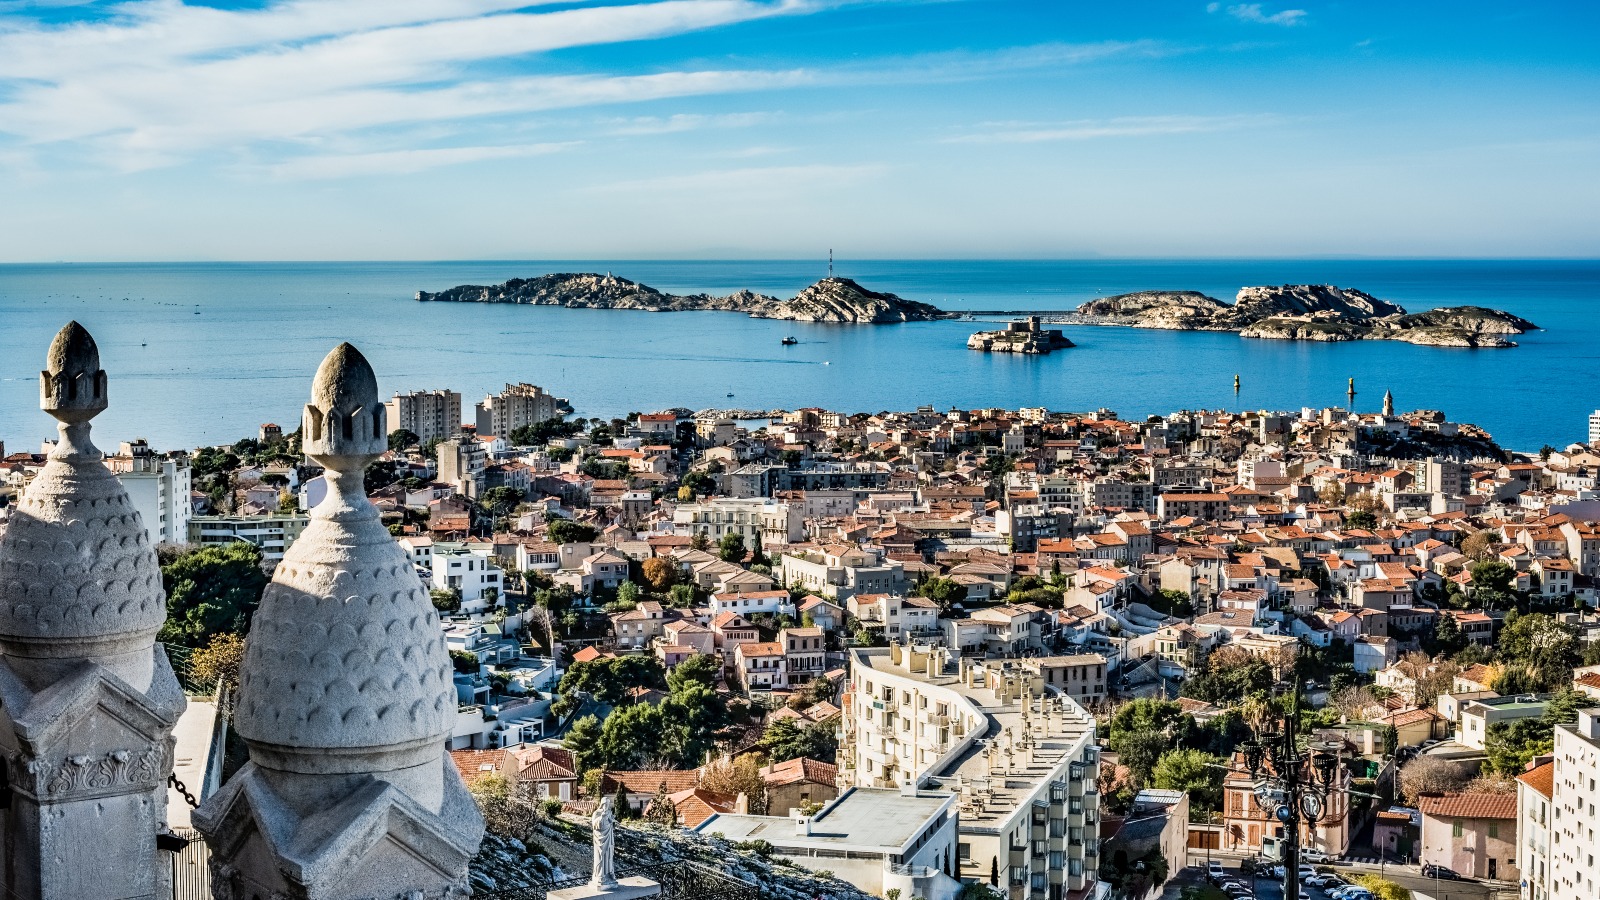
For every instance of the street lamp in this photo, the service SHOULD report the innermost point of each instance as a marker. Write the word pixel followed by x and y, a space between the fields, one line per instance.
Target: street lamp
pixel 1293 781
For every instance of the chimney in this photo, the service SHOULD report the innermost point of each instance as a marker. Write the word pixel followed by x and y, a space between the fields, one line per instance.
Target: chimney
pixel 802 825
pixel 908 788
pixel 1589 723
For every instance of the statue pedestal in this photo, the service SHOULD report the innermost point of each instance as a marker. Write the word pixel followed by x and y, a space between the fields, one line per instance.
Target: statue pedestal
pixel 630 888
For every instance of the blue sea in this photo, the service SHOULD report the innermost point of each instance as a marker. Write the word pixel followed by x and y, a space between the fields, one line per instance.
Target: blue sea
pixel 203 353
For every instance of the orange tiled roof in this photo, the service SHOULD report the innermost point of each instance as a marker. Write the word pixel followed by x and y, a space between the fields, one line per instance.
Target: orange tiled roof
pixel 1541 778
pixel 1469 806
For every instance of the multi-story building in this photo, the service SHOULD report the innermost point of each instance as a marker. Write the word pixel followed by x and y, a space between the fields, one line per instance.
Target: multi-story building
pixel 1574 816
pixel 477 578
pixel 760 521
pixel 158 486
pixel 516 406
pixel 462 462
pixel 1534 789
pixel 1246 823
pixel 840 572
pixel 274 534
pixel 430 415
pixel 1594 427
pixel 1018 755
pixel 804 653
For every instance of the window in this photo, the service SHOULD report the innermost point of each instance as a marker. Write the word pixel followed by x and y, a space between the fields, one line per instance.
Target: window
pixel 1455 830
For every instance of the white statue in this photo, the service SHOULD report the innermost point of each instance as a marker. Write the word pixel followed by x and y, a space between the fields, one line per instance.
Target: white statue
pixel 604 825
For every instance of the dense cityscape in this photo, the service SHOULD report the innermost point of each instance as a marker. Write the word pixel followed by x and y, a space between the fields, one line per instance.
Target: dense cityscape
pixel 1011 653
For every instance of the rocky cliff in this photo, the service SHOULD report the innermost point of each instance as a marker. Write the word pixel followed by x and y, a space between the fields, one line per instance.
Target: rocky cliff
pixel 838 300
pixel 1308 312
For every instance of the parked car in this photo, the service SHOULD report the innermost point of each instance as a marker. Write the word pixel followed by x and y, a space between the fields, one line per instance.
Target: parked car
pixel 1215 873
pixel 1432 871
pixel 1271 872
pixel 1327 881
pixel 1313 856
pixel 1235 889
pixel 1304 872
pixel 1350 892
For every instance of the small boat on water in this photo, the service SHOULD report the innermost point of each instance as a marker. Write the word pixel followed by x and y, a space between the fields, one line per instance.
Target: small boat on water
pixel 730 393
pixel 790 341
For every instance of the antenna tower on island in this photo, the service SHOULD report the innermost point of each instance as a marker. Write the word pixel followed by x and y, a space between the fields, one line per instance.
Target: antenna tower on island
pixel 830 262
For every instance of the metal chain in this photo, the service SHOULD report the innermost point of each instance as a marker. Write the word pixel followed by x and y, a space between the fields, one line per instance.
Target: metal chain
pixel 180 788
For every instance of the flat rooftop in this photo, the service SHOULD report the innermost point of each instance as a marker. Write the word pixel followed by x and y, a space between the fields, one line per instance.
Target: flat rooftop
pixel 875 818
pixel 1002 790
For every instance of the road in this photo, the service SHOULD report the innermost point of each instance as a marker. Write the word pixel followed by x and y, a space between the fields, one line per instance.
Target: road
pixel 1405 876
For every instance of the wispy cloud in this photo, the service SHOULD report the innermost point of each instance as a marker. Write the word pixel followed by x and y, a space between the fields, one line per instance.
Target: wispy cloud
pixel 648 125
pixel 1253 12
pixel 755 178
pixel 405 162
pixel 1094 129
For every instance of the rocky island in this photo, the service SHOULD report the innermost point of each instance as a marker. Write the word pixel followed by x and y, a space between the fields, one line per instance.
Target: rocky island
pixel 833 300
pixel 1021 336
pixel 1307 312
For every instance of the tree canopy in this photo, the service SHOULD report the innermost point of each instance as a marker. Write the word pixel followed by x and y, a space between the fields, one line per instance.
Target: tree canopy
pixel 211 591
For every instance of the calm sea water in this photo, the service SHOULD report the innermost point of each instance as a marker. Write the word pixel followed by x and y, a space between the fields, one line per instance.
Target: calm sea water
pixel 203 353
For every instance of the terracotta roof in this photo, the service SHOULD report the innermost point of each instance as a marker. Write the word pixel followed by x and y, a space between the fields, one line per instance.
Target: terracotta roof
pixel 1468 806
pixel 1541 778
pixel 800 769
pixel 1411 717
pixel 1588 679
pixel 648 781
pixel 541 763
pixel 696 805
pixel 474 764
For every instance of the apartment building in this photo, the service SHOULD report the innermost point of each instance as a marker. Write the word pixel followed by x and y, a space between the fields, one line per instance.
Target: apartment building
pixel 475 575
pixel 760 521
pixel 462 461
pixel 430 415
pixel 839 572
pixel 1574 814
pixel 158 487
pixel 274 534
pixel 1018 755
pixel 1534 793
pixel 517 406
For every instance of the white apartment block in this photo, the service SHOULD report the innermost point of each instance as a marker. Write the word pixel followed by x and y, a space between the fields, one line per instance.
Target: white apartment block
pixel 1594 427
pixel 1533 830
pixel 430 415
pixel 274 534
pixel 772 522
pixel 1575 816
pixel 840 572
pixel 1018 755
pixel 158 487
pixel 473 574
pixel 516 406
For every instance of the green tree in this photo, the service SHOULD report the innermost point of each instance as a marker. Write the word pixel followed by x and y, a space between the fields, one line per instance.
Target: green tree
pixel 401 438
pixel 566 531
pixel 641 737
pixel 700 713
pixel 661 811
pixel 1546 646
pixel 1144 714
pixel 628 594
pixel 211 591
pixel 1141 751
pixel 784 739
pixel 731 548
pixel 1492 583
pixel 703 669
pixel 500 502
pixel 1194 772
pixel 583 739
pixel 1361 518
pixel 943 591
pixel 681 595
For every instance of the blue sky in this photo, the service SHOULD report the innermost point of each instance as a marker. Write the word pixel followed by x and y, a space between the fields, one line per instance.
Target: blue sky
pixel 461 129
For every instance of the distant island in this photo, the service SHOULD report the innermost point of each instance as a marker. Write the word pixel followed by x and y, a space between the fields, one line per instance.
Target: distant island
pixel 1021 336
pixel 832 300
pixel 1306 312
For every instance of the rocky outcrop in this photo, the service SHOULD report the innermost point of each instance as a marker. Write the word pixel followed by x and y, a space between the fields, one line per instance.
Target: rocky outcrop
pixel 1308 312
pixel 1172 310
pixel 834 300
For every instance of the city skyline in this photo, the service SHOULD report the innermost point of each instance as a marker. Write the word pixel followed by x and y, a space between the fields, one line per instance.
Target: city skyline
pixel 477 129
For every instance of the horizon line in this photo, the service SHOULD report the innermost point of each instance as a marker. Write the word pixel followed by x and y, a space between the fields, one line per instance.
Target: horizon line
pixel 797 259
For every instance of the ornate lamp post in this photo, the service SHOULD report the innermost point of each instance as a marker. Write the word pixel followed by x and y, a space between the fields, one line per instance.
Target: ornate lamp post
pixel 1293 780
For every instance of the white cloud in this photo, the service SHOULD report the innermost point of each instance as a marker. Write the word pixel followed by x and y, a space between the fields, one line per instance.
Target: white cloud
pixel 787 179
pixel 1252 12
pixel 648 125
pixel 1092 129
pixel 405 162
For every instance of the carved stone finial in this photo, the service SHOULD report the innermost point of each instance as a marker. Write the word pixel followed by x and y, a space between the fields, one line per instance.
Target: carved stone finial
pixel 72 388
pixel 345 417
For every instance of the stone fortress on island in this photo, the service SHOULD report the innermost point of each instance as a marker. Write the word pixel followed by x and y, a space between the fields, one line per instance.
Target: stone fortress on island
pixel 1021 336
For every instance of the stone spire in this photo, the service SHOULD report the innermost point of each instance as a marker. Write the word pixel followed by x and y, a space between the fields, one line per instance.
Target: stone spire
pixel 1388 403
pixel 346 699
pixel 87 699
